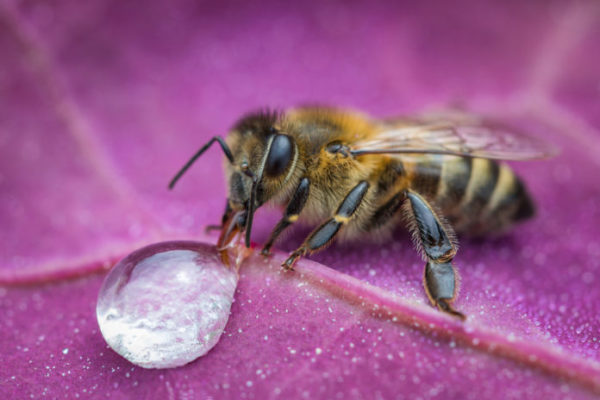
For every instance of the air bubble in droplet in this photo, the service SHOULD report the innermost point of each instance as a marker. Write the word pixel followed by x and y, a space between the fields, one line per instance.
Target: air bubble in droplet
pixel 166 304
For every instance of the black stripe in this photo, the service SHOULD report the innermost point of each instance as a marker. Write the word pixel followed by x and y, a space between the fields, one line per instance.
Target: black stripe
pixel 427 176
pixel 483 192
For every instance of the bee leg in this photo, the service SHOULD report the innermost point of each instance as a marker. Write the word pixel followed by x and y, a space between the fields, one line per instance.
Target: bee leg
pixel 436 240
pixel 210 228
pixel 325 233
pixel 384 214
pixel 226 215
pixel 291 213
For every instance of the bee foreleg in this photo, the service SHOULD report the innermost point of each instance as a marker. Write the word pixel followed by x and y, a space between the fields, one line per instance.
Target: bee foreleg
pixel 436 239
pixel 210 228
pixel 325 233
pixel 226 214
pixel 291 213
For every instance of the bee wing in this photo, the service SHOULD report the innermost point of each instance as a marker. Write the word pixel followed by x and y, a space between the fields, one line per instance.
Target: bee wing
pixel 460 135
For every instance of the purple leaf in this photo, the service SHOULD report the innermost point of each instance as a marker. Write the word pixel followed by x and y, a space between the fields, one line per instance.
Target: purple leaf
pixel 101 102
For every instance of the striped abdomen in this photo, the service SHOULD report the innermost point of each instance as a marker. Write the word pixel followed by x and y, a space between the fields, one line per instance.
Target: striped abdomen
pixel 476 195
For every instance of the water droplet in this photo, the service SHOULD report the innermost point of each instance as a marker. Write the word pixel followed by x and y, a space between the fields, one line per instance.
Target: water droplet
pixel 166 304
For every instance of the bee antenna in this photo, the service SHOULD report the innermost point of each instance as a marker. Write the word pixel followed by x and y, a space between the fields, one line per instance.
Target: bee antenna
pixel 182 171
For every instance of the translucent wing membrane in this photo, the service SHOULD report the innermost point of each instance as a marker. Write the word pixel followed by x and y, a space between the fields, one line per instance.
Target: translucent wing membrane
pixel 453 134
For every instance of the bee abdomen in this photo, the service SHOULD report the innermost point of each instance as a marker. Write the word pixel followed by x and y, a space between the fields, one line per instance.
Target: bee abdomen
pixel 481 196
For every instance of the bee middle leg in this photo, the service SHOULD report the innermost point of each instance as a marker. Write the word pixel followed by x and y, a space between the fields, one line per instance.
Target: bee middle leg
pixel 435 239
pixel 325 233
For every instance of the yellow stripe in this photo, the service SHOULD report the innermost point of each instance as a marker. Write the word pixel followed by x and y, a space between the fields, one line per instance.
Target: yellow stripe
pixel 504 187
pixel 480 173
pixel 454 169
pixel 292 218
pixel 341 219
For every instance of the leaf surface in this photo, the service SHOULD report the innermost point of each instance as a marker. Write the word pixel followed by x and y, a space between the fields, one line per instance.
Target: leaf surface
pixel 101 102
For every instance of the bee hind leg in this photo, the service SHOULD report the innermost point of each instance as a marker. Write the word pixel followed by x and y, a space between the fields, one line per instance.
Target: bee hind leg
pixel 325 233
pixel 436 240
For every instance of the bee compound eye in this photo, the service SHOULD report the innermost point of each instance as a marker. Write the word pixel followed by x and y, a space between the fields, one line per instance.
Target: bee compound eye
pixel 279 156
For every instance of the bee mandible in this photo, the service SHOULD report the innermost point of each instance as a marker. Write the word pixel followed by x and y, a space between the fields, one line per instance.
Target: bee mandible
pixel 358 176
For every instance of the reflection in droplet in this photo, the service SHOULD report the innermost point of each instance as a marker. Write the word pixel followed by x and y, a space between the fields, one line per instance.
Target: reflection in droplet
pixel 166 304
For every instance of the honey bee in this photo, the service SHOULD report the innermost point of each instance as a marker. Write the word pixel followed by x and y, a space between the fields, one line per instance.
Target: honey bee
pixel 357 176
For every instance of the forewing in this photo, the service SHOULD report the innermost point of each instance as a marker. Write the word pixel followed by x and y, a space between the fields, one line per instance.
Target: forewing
pixel 460 135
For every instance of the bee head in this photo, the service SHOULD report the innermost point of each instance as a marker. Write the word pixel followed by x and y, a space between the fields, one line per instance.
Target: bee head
pixel 264 159
pixel 260 160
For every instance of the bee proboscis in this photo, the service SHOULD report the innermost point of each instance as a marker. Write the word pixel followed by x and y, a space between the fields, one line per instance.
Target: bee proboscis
pixel 355 176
